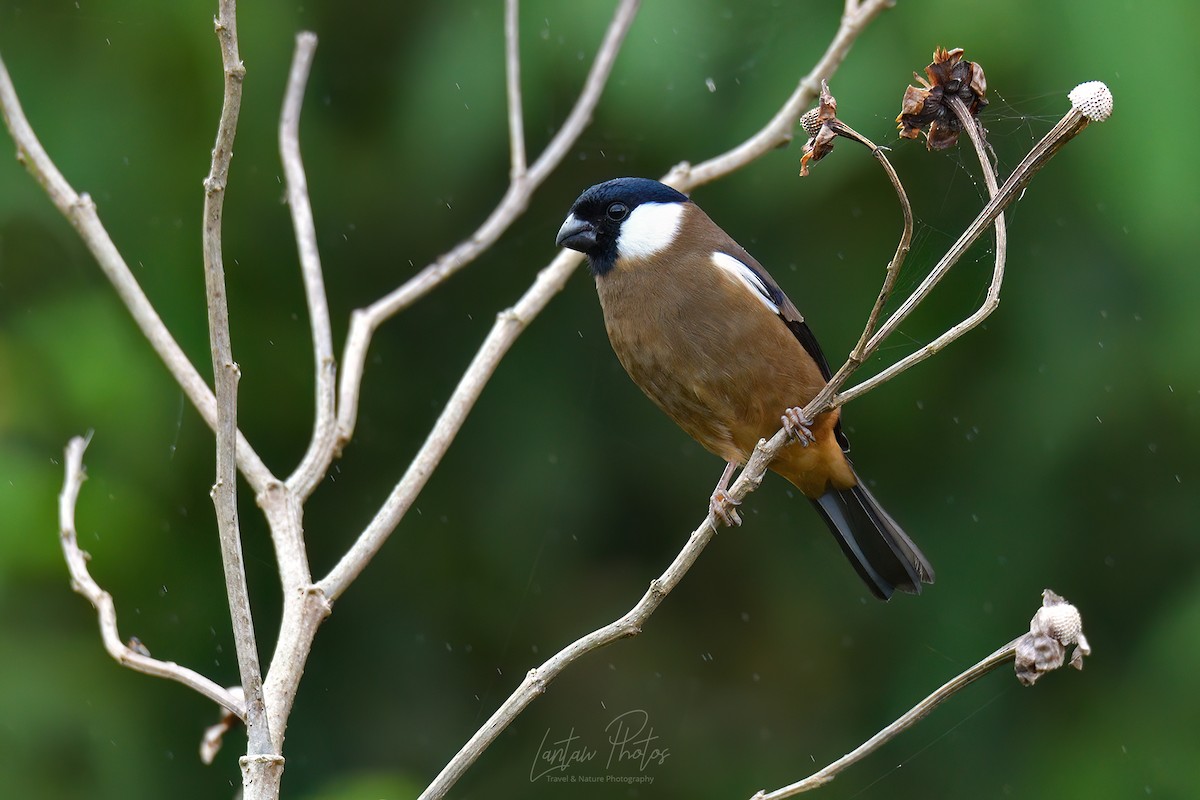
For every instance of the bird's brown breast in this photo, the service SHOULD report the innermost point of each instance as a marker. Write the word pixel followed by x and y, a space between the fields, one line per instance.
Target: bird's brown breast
pixel 717 361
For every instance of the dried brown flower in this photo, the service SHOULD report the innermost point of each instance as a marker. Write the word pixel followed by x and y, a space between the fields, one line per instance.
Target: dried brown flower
pixel 1055 626
pixel 816 125
pixel 925 109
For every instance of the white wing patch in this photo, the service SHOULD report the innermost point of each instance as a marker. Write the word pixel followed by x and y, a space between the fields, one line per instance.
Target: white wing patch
pixel 747 277
pixel 650 228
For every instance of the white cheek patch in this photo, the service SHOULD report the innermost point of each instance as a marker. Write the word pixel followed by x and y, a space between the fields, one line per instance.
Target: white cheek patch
pixel 747 277
pixel 650 228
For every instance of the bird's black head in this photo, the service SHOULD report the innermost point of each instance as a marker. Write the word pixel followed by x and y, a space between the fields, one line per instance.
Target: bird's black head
pixel 624 216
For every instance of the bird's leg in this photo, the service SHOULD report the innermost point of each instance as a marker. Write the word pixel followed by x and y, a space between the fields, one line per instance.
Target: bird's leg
pixel 798 426
pixel 721 505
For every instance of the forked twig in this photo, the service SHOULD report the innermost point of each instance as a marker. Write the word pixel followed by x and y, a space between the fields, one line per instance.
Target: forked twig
pixel 365 321
pixel 1091 101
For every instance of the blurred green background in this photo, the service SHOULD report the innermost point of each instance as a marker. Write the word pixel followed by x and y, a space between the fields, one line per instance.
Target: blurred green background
pixel 1054 447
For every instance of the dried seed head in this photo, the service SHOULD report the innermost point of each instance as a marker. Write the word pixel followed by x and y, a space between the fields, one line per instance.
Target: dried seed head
pixel 925 109
pixel 1093 100
pixel 1056 625
pixel 811 121
pixel 820 134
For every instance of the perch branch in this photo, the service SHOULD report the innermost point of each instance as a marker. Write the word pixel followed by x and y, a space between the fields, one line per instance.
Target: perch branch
pixel 312 467
pixel 225 378
pixel 80 211
pixel 749 480
pixel 365 321
pixel 1054 627
pixel 508 326
pixel 106 610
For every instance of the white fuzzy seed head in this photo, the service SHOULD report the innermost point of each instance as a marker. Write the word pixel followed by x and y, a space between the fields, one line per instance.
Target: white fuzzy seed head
pixel 1092 99
pixel 1062 622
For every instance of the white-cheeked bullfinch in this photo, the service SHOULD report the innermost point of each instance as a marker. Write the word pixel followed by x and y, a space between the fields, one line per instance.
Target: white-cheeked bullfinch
pixel 707 334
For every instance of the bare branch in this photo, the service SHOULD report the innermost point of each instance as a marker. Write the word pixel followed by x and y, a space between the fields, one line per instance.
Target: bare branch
pixel 80 211
pixel 364 322
pixel 512 72
pixel 1054 627
pixel 83 583
pixel 314 464
pixel 914 715
pixel 509 324
pixel 225 378
pixel 779 131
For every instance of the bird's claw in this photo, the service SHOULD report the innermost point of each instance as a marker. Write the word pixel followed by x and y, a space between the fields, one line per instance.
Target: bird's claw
pixel 798 426
pixel 724 508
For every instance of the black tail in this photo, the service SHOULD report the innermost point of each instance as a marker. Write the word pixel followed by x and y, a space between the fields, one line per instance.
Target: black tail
pixel 881 553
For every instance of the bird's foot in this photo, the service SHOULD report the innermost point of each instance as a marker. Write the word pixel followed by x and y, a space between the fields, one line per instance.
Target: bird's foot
pixel 721 505
pixel 798 426
pixel 724 508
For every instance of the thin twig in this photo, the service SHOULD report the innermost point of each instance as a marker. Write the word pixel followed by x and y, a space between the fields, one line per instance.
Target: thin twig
pixel 512 72
pixel 80 211
pixel 509 324
pixel 225 378
pixel 780 130
pixel 365 321
pixel 1000 657
pixel 1067 128
pixel 902 247
pixel 106 610
pixel 1055 626
pixel 313 466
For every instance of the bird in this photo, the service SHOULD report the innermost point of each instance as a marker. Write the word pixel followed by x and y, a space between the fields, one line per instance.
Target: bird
pixel 711 339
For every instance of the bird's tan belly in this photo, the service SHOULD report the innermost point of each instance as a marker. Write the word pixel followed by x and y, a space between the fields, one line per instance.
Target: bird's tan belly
pixel 724 369
pixel 723 394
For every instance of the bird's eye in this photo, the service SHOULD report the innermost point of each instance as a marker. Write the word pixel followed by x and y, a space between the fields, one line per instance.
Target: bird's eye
pixel 617 212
